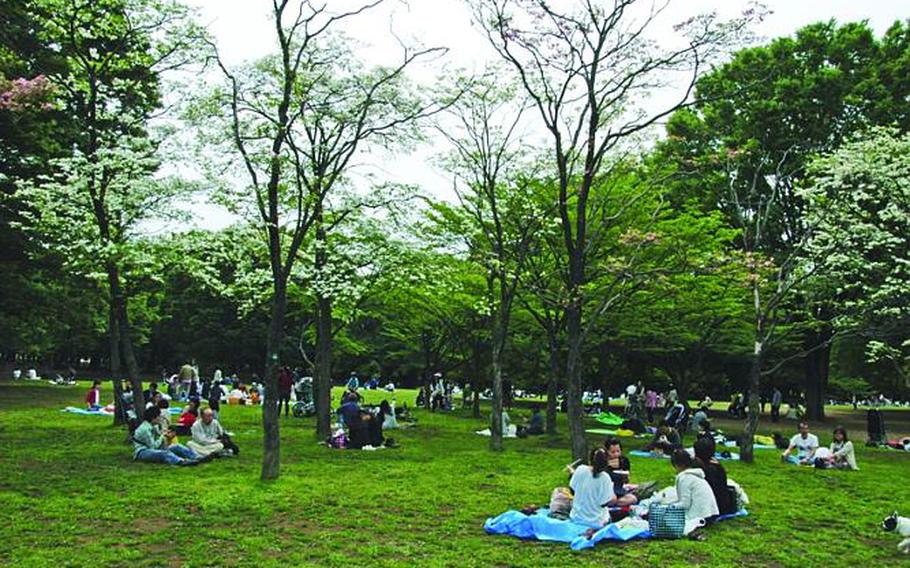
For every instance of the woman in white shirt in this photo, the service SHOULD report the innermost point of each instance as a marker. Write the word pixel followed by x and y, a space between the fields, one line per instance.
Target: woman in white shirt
pixel 693 493
pixel 593 489
pixel 842 454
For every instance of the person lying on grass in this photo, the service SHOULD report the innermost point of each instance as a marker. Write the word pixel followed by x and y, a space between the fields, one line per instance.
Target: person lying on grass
pixel 715 475
pixel 150 445
pixel 593 490
pixel 209 438
pixel 805 445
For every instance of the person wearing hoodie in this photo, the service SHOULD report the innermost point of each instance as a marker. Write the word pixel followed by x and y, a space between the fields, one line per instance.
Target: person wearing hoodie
pixel 693 493
pixel 715 475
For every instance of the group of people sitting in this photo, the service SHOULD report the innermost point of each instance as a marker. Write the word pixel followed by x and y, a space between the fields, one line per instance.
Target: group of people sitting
pixel 804 449
pixel 156 440
pixel 365 425
pixel 600 492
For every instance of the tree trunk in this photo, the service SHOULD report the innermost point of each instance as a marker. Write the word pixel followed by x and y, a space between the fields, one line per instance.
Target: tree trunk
pixel 553 384
pixel 323 367
pixel 114 342
pixel 123 339
pixel 129 357
pixel 496 432
pixel 271 442
pixel 475 379
pixel 323 371
pixel 746 449
pixel 574 382
pixel 817 362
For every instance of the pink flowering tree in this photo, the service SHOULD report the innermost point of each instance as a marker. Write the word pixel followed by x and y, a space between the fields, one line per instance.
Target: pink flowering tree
pixel 22 94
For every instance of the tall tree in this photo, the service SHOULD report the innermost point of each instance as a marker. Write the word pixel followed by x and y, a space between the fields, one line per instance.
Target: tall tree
pixel 777 106
pixel 859 205
pixel 584 69
pixel 298 119
pixel 109 88
pixel 500 213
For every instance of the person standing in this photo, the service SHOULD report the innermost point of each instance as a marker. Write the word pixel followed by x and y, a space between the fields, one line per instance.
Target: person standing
pixel 285 385
pixel 776 399
pixel 187 376
pixel 650 404
pixel 672 398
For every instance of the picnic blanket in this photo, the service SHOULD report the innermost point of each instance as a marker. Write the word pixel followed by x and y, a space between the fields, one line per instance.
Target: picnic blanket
pixel 732 444
pixel 621 433
pixel 609 419
pixel 541 527
pixel 104 411
pixel 717 456
pixel 511 432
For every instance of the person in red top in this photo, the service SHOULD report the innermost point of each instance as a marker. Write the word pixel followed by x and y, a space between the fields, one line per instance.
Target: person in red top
pixel 285 384
pixel 93 397
pixel 188 417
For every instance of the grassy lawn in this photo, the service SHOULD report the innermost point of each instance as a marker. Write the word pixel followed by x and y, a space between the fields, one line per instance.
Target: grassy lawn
pixel 72 495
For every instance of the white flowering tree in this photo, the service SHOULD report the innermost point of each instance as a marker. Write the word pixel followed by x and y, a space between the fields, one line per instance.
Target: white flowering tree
pixel 90 204
pixel 859 202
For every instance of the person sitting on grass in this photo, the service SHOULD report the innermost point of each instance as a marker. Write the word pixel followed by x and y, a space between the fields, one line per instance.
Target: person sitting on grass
pixel 715 475
pixel 93 396
pixel 700 416
pixel 187 417
pixel 387 415
pixel 593 490
pixel 705 430
pixel 842 454
pixel 210 438
pixel 805 445
pixel 164 421
pixel 534 426
pixel 693 493
pixel 619 468
pixel 150 445
pixel 665 441
pixel 364 429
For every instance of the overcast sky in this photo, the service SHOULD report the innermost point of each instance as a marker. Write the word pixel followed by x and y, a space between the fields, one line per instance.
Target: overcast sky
pixel 243 31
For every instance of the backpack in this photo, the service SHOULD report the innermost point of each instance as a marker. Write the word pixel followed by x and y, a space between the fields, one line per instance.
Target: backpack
pixel 339 440
pixel 560 503
pixel 666 521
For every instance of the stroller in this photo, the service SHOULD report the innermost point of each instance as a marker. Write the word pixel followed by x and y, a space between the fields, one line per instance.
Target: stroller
pixel 305 405
pixel 875 426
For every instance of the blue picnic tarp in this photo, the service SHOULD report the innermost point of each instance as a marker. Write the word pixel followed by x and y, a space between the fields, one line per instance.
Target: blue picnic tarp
pixel 539 526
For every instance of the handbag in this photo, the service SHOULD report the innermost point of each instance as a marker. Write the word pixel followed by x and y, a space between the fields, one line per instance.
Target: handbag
pixel 666 521
pixel 560 503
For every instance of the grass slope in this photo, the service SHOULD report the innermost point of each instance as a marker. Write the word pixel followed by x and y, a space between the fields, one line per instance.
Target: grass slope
pixel 71 495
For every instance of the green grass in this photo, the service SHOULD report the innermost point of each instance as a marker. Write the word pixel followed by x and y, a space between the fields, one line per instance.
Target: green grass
pixel 71 495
